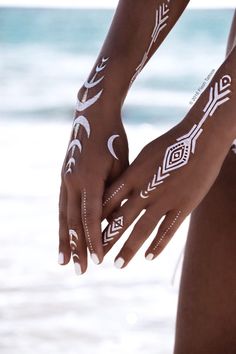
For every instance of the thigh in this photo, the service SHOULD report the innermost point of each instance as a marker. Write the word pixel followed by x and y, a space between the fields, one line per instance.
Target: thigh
pixel 206 319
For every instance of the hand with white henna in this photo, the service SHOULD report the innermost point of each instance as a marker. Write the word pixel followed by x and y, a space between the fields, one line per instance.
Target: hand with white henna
pixel 97 152
pixel 173 173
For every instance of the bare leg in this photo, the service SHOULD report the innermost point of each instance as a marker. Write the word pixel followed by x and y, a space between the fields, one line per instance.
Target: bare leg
pixel 206 319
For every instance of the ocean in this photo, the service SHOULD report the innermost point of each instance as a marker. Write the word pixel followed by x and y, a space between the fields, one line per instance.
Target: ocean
pixel 46 54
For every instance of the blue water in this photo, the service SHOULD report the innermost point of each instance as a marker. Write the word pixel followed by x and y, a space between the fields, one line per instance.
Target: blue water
pixel 45 55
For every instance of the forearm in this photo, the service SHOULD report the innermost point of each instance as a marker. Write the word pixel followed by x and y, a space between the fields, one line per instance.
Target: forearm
pixel 137 30
pixel 214 114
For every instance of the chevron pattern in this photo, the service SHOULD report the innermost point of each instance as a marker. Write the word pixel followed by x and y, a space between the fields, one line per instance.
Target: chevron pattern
pixel 161 19
pixel 73 236
pixel 113 229
pixel 178 154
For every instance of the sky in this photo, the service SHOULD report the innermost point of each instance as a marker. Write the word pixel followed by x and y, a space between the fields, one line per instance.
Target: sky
pixel 109 3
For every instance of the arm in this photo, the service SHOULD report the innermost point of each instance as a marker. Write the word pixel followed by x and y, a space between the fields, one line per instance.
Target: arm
pixel 98 151
pixel 175 171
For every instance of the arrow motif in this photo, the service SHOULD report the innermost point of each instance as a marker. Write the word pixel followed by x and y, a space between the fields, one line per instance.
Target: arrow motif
pixel 113 229
pixel 160 23
pixel 178 154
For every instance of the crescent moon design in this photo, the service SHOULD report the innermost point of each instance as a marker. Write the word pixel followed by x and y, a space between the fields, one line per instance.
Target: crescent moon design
pixel 143 196
pixel 100 67
pixel 74 234
pixel 75 257
pixel 71 161
pixel 110 142
pixel 69 170
pixel 92 83
pixel 84 122
pixel 75 143
pixel 73 245
pixel 81 106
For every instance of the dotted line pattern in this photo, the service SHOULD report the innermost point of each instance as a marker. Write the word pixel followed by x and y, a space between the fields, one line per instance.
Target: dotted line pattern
pixel 84 209
pixel 167 230
pixel 113 194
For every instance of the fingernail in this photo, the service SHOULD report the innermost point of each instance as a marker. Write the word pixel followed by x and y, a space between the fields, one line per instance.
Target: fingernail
pixel 149 257
pixel 119 262
pixel 95 258
pixel 77 268
pixel 61 258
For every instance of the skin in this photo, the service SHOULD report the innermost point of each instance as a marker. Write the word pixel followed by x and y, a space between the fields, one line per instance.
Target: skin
pixel 81 195
pixel 170 197
pixel 206 318
pixel 213 201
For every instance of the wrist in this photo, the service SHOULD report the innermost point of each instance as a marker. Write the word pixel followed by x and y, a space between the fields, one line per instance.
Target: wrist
pixel 107 106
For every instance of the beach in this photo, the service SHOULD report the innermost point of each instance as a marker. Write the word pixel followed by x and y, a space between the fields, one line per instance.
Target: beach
pixel 46 54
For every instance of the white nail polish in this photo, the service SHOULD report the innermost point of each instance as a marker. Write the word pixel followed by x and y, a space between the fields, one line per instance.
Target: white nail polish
pixel 119 262
pixel 95 258
pixel 149 257
pixel 77 268
pixel 61 258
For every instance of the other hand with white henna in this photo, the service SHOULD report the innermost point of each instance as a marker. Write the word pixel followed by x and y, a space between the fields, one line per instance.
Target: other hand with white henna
pixel 97 154
pixel 173 173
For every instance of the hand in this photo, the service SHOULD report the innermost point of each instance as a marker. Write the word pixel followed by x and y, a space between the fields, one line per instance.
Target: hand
pixel 97 154
pixel 168 179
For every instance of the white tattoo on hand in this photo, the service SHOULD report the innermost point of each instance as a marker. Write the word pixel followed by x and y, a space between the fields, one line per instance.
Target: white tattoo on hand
pixel 82 105
pixel 178 154
pixel 113 229
pixel 160 23
pixel 110 145
pixel 73 239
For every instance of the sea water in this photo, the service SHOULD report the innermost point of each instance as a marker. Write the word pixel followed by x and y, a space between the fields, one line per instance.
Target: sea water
pixel 45 55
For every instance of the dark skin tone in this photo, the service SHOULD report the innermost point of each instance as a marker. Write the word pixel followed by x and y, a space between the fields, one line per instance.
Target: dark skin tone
pixel 206 318
pixel 82 192
pixel 206 313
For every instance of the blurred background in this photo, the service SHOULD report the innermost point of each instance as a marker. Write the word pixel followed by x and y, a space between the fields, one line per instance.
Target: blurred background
pixel 46 53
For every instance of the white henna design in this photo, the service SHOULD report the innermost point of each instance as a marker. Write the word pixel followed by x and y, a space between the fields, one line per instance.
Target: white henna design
pixel 73 239
pixel 84 211
pixel 160 23
pixel 113 229
pixel 81 120
pixel 178 154
pixel 110 145
pixel 82 105
pixel 166 231
pixel 234 146
pixel 75 257
pixel 113 194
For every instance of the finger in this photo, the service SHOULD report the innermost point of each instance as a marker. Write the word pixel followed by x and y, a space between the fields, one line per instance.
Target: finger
pixel 64 246
pixel 75 235
pixel 121 220
pixel 113 197
pixel 91 212
pixel 165 232
pixel 141 231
